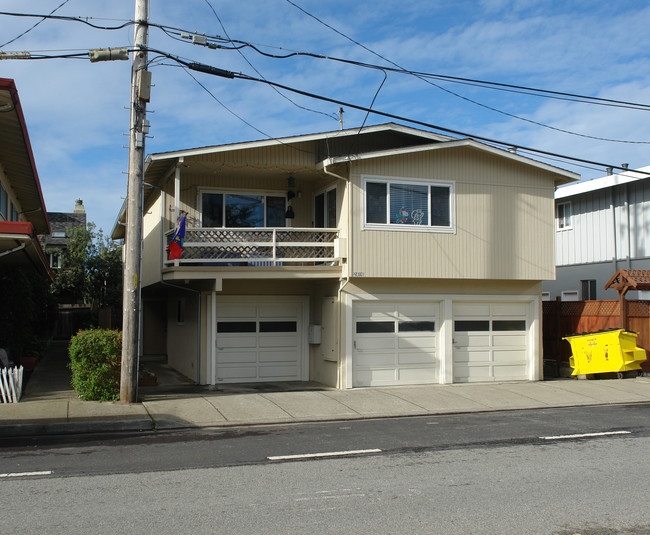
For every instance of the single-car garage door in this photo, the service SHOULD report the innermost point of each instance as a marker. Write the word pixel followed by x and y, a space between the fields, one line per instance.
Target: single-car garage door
pixel 490 342
pixel 260 340
pixel 395 343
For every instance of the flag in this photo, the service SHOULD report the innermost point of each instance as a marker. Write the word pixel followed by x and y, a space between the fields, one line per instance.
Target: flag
pixel 175 248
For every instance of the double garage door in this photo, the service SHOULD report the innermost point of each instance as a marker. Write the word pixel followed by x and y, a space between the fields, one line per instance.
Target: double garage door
pixel 261 339
pixel 400 343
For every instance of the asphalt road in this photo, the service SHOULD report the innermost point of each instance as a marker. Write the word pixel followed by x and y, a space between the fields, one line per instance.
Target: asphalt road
pixel 523 472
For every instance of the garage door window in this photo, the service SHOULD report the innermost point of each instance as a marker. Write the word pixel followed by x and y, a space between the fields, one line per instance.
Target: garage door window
pixel 471 325
pixel 236 327
pixel 509 325
pixel 278 326
pixel 368 327
pixel 417 326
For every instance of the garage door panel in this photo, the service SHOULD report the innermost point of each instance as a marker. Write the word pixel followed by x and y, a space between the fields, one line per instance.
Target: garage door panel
pixel 509 309
pixel 245 357
pixel 278 341
pixel 375 343
pixel 236 342
pixel 416 343
pixel 418 375
pixel 471 309
pixel 472 356
pixel 501 356
pixel 238 310
pixel 278 356
pixel 375 377
pixel 518 340
pixel 238 373
pixel 509 373
pixel 415 357
pixel 476 340
pixel 278 372
pixel 375 359
pixel 278 310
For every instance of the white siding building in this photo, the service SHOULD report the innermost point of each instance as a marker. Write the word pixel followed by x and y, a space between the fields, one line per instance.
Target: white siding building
pixel 601 225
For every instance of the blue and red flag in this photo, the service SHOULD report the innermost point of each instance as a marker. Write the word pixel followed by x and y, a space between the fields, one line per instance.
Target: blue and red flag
pixel 175 248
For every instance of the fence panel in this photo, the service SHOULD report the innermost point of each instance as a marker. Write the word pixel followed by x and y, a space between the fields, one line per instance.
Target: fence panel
pixel 563 318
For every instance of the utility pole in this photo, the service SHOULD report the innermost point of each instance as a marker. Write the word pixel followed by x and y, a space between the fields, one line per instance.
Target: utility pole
pixel 140 88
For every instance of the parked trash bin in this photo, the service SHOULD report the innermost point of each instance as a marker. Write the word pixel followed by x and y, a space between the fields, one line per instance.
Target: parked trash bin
pixel 605 351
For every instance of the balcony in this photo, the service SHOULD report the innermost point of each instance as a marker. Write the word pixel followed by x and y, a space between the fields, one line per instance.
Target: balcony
pixel 256 247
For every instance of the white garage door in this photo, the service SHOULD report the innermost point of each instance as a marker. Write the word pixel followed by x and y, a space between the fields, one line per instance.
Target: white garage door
pixel 259 340
pixel 490 342
pixel 395 344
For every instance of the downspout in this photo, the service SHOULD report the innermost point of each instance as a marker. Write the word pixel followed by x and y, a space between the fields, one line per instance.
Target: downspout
pixel 163 202
pixel 616 245
pixel 345 279
pixel 629 232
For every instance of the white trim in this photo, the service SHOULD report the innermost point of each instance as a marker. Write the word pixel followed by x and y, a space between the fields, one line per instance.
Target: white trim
pixel 602 183
pixel 388 180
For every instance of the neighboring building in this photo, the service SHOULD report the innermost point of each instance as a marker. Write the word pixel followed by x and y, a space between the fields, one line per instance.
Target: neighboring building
pixel 353 258
pixel 22 209
pixel 62 224
pixel 601 225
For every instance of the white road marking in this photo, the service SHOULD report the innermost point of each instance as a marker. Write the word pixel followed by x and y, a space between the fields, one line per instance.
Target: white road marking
pixel 27 474
pixel 587 435
pixel 316 455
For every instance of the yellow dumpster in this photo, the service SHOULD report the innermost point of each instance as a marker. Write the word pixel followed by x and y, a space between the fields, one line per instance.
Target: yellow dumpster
pixel 605 351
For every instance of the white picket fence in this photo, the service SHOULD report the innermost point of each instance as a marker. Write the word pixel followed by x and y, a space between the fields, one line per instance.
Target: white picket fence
pixel 11 384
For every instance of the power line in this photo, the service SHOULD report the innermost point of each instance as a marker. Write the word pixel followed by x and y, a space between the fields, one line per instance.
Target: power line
pixel 34 26
pixel 424 79
pixel 227 74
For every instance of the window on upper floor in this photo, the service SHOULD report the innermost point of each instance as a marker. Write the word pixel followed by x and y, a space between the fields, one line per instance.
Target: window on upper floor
pixel 242 210
pixel 409 204
pixel 4 203
pixel 55 260
pixel 588 289
pixel 325 209
pixel 563 215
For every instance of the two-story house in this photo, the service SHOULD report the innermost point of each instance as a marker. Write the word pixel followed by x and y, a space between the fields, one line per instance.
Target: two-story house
pixel 62 225
pixel 22 208
pixel 382 256
pixel 601 226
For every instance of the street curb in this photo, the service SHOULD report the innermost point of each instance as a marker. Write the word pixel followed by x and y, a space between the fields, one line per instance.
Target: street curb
pixel 77 428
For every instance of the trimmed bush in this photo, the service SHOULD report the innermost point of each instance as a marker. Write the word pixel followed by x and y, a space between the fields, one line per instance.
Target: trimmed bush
pixel 95 358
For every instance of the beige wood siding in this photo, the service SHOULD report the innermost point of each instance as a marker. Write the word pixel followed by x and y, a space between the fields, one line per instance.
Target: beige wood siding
pixel 504 220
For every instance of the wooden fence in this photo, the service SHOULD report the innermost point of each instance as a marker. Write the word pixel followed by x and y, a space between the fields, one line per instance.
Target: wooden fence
pixel 563 318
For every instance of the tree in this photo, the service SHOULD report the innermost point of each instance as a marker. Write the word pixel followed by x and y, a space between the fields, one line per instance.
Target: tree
pixel 92 270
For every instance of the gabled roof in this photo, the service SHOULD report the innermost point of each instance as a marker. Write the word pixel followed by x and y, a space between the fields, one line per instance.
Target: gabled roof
pixel 569 176
pixel 17 159
pixel 630 279
pixel 604 182
pixel 336 134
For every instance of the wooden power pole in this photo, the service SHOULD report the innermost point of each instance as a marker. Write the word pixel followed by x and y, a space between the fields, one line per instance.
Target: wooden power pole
pixel 140 88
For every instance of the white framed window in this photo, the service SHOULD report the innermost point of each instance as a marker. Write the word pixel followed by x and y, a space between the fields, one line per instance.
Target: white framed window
pixel 409 204
pixel 235 209
pixel 325 215
pixel 569 295
pixel 55 260
pixel 546 296
pixel 563 215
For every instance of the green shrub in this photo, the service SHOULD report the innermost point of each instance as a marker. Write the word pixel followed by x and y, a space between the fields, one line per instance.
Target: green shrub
pixel 95 356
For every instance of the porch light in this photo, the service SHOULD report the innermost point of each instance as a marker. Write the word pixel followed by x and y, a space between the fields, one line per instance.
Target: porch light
pixel 289 213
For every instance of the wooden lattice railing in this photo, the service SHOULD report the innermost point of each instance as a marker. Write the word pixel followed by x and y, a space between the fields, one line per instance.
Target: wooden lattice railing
pixel 256 246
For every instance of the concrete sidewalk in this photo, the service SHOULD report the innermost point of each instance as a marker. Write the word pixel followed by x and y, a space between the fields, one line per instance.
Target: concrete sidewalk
pixel 49 406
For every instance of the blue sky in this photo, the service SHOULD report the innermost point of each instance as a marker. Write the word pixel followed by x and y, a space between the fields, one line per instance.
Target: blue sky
pixel 76 111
